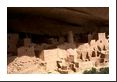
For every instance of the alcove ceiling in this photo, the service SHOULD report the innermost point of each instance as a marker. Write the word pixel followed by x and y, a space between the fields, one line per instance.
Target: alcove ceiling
pixel 56 20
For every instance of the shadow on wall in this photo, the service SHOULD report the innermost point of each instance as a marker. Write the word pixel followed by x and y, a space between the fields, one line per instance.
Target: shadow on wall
pixel 37 49
pixel 10 59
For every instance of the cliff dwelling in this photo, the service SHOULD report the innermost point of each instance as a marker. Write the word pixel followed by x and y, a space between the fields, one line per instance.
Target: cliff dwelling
pixel 60 40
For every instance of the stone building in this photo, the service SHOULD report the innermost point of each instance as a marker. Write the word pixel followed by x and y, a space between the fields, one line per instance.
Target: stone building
pixel 27 49
pixel 64 38
pixel 12 39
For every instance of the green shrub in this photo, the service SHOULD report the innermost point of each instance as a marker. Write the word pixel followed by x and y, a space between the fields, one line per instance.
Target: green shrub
pixel 94 71
pixel 49 72
pixel 104 70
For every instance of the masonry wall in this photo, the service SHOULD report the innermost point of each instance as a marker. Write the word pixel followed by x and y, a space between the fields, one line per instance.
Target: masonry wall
pixel 12 39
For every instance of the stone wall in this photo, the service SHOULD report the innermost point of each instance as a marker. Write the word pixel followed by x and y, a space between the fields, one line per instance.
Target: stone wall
pixel 26 51
pixel 12 40
pixel 50 57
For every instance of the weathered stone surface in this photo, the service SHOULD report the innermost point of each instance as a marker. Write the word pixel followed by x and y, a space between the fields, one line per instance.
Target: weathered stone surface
pixel 50 56
pixel 26 51
pixel 26 64
pixel 12 39
pixel 27 42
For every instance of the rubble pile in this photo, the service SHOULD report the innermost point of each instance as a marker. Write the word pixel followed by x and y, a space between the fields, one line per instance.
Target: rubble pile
pixel 26 64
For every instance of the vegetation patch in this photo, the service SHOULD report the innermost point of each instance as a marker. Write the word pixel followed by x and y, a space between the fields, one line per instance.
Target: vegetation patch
pixel 94 71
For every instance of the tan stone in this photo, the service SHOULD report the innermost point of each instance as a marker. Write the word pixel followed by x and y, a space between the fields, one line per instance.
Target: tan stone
pixel 67 46
pixel 72 54
pixel 101 36
pixel 70 37
pixel 86 65
pixel 26 51
pixel 27 42
pixel 12 39
pixel 50 56
pixel 89 37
